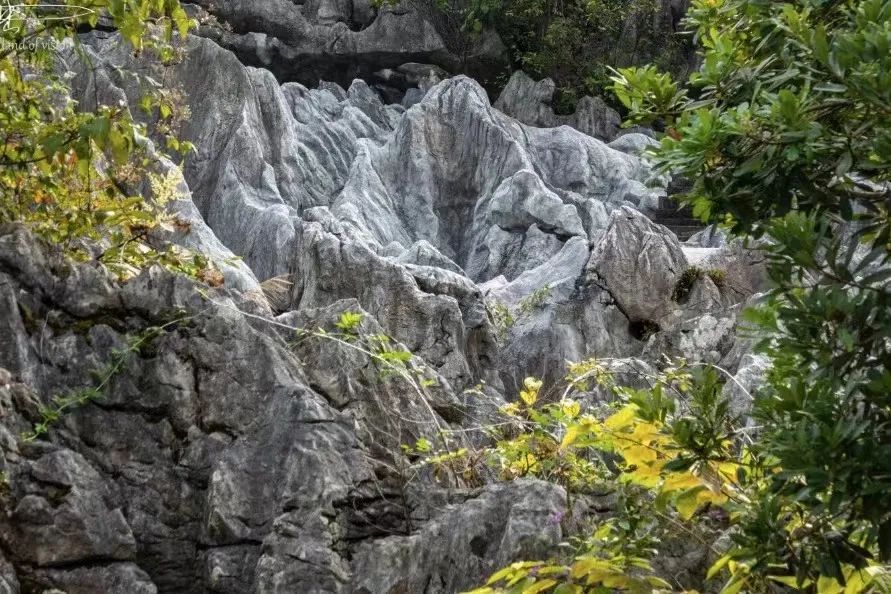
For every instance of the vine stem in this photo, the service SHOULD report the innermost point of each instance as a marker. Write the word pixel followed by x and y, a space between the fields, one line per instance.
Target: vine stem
pixel 399 370
pixel 119 358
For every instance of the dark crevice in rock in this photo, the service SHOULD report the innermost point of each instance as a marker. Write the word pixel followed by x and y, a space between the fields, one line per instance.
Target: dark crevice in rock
pixel 248 542
pixel 643 329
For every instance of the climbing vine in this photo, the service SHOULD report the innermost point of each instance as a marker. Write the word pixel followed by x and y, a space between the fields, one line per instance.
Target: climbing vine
pixel 103 377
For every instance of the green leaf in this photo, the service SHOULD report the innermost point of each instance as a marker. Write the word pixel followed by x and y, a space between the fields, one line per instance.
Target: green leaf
pixel 844 164
pixel 821 45
pixel 717 566
pixel 97 128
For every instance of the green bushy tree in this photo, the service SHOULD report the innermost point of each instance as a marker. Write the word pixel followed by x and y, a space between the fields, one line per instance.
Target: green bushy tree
pixel 788 134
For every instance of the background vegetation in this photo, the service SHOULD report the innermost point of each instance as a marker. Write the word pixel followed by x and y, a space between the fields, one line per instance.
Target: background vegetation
pixel 785 131
pixel 573 41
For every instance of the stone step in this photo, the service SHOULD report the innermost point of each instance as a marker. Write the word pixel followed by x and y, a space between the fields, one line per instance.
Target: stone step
pixel 679 219
pixel 684 232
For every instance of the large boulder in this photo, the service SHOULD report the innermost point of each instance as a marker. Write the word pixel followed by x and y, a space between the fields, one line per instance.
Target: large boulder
pixel 555 316
pixel 639 264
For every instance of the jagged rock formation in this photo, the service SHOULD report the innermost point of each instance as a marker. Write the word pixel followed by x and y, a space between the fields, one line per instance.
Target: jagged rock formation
pixel 530 102
pixel 616 298
pixel 230 454
pixel 212 465
pixel 333 186
pixel 339 40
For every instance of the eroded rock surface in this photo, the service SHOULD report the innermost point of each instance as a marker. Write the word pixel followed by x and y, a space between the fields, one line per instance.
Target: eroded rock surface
pixel 232 450
pixel 339 40
pixel 211 464
pixel 530 102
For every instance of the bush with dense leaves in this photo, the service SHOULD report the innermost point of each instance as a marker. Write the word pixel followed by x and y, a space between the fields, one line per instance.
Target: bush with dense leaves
pixel 789 135
pixel 68 174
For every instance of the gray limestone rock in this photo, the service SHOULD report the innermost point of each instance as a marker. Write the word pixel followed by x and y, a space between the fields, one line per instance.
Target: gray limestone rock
pixel 703 338
pixel 633 143
pixel 710 237
pixel 556 316
pixel 73 516
pixel 530 102
pixel 221 457
pixel 741 389
pixel 326 185
pixel 113 578
pixel 339 40
pixel 479 536
pixel 639 263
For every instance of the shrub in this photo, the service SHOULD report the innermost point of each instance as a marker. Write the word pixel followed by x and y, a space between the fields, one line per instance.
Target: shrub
pixel 717 276
pixel 502 318
pixel 669 452
pixel 685 283
pixel 789 135
pixel 534 300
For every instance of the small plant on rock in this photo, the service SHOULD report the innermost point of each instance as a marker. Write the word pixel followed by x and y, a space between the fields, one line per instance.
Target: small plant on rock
pixel 534 300
pixel 717 276
pixel 502 318
pixel 685 283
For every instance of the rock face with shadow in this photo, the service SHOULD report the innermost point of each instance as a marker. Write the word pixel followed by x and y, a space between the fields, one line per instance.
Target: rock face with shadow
pixel 530 102
pixel 339 40
pixel 338 191
pixel 220 458
pixel 232 449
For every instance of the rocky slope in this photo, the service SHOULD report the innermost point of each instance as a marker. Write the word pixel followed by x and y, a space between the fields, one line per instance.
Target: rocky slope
pixel 229 456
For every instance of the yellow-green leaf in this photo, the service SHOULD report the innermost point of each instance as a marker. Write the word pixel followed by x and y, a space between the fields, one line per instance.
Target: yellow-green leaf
pixel 621 419
pixel 717 566
pixel 540 586
pixel 734 585
pixel 789 580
